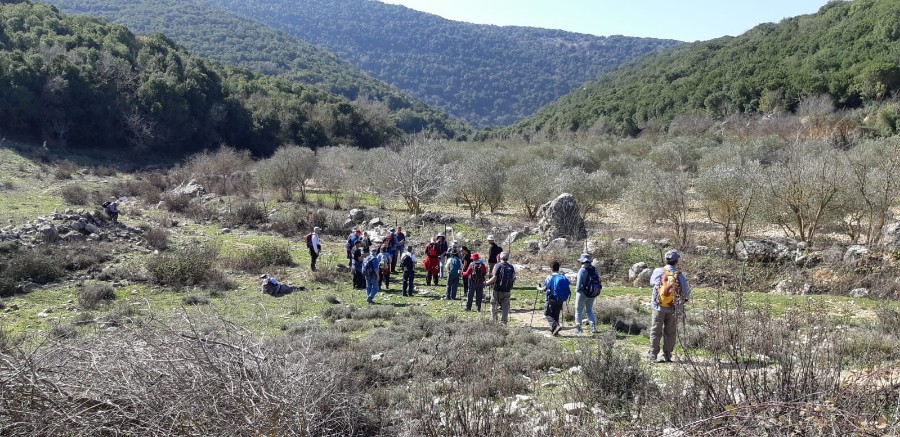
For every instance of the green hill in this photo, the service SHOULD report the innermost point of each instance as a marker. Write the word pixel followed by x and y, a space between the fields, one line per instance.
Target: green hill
pixel 79 81
pixel 485 75
pixel 848 50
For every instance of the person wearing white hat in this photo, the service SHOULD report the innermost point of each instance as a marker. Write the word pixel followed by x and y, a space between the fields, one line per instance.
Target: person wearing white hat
pixel 315 247
pixel 493 252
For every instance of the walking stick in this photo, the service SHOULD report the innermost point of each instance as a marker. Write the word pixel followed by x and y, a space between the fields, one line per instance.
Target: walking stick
pixel 534 305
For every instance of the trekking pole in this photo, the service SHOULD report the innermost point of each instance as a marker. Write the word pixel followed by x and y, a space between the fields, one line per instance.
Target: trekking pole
pixel 537 292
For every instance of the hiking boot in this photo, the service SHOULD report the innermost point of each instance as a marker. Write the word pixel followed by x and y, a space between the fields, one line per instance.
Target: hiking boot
pixel 667 359
pixel 556 329
pixel 370 302
pixel 651 358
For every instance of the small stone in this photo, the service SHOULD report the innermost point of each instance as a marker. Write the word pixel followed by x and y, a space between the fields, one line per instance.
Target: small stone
pixel 575 408
pixel 378 357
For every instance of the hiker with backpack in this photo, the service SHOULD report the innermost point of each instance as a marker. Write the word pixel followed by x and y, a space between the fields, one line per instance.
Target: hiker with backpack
pixel 587 288
pixel 440 244
pixel 557 291
pixel 384 264
pixel 475 274
pixel 408 266
pixel 493 253
pixel 431 263
pixel 112 210
pixel 399 246
pixel 370 271
pixel 453 268
pixel 670 293
pixel 314 245
pixel 351 244
pixel 366 243
pixel 502 279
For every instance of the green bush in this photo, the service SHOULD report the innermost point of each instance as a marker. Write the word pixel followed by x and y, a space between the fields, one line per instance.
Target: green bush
pixel 157 238
pixel 246 213
pixel 613 377
pixel 91 295
pixel 195 299
pixel 185 267
pixel 265 255
pixel 40 265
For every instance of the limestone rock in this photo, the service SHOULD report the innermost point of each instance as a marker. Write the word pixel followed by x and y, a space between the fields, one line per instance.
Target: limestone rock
pixel 635 270
pixel 49 233
pixel 192 188
pixel 891 238
pixel 760 251
pixel 856 254
pixel 357 215
pixel 561 218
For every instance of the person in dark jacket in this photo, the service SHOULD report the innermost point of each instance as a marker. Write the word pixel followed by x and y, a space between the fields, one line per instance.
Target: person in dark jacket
pixel 493 252
pixel 440 243
pixel 465 255
pixel 351 244
pixel 399 247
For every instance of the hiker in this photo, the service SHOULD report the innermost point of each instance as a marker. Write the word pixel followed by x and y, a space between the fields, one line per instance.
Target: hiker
pixel 271 286
pixel 112 210
pixel 465 256
pixel 502 278
pixel 366 243
pixel 408 266
pixel 475 275
pixel 315 247
pixel 587 288
pixel 440 242
pixel 670 293
pixel 359 281
pixel 384 264
pixel 453 268
pixel 431 263
pixel 370 271
pixel 399 246
pixel 351 244
pixel 557 292
pixel 493 252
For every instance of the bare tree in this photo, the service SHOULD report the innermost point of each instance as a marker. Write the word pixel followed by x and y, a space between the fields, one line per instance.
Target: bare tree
pixel 520 184
pixel 655 194
pixel 225 171
pixel 413 173
pixel 873 188
pixel 802 188
pixel 291 167
pixel 477 181
pixel 728 192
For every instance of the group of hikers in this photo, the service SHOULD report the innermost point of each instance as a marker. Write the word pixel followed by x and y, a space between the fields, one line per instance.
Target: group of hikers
pixel 373 263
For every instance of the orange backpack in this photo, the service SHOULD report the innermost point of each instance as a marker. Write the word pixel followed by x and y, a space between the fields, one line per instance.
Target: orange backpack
pixel 669 287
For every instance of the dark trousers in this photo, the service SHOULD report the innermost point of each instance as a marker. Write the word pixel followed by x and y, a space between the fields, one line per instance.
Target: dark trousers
pixel 465 288
pixel 429 277
pixel 399 253
pixel 452 285
pixel 551 311
pixel 408 278
pixel 359 281
pixel 386 278
pixel 476 292
pixel 313 256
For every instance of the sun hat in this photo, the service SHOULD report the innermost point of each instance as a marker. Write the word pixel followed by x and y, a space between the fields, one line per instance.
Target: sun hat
pixel 585 258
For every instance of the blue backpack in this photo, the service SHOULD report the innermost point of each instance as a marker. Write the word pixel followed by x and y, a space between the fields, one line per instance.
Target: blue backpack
pixel 558 287
pixel 370 265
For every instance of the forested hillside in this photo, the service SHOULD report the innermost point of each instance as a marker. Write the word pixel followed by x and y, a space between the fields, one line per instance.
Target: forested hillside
pixel 848 50
pixel 229 38
pixel 486 75
pixel 79 81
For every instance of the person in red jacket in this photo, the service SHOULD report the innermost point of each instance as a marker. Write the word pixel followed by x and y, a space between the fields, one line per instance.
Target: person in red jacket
pixel 475 274
pixel 431 263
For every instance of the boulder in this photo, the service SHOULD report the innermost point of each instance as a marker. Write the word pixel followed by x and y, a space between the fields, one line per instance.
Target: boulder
pixel 561 218
pixel 49 233
pixel 91 228
pixel 856 254
pixel 643 278
pixel 635 270
pixel 859 292
pixel 357 215
pixel 375 222
pixel 891 238
pixel 192 188
pixel 575 408
pixel 557 244
pixel 760 251
pixel 511 238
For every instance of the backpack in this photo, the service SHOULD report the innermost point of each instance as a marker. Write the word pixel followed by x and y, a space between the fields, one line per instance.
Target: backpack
pixel 383 263
pixel 593 286
pixel 370 265
pixel 506 275
pixel 558 285
pixel 407 264
pixel 669 287
pixel 309 240
pixel 455 266
pixel 479 271
pixel 106 204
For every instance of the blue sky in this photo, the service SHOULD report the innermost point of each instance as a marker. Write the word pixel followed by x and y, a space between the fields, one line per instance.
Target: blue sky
pixel 682 20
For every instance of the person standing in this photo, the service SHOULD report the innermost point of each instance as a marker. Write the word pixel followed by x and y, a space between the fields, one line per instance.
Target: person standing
pixel 366 243
pixel 431 263
pixel 670 293
pixel 587 288
pixel 453 268
pixel 384 264
pixel 351 244
pixel 112 210
pixel 408 266
pixel 475 274
pixel 557 291
pixel 315 247
pixel 359 280
pixel 502 279
pixel 465 256
pixel 493 252
pixel 440 242
pixel 370 271
pixel 399 247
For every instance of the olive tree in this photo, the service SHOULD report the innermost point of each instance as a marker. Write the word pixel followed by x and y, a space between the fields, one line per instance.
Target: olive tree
pixel 531 184
pixel 728 193
pixel 413 173
pixel 290 168
pixel 590 189
pixel 872 188
pixel 477 181
pixel 654 194
pixel 224 171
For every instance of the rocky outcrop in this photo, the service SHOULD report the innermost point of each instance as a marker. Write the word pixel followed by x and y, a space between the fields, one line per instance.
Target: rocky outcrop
pixel 561 218
pixel 761 251
pixel 891 238
pixel 72 227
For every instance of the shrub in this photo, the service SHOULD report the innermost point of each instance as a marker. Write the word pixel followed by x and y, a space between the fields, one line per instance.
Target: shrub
pixel 266 255
pixel 288 221
pixel 104 171
pixel 75 194
pixel 92 294
pixel 157 238
pixel 177 202
pixel 63 331
pixel 65 169
pixel 185 267
pixel 246 213
pixel 41 265
pixel 195 299
pixel 613 377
